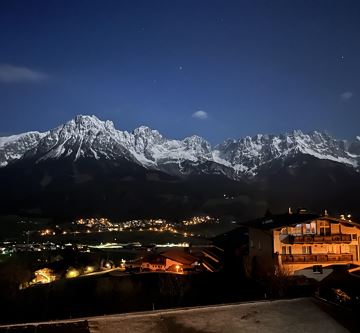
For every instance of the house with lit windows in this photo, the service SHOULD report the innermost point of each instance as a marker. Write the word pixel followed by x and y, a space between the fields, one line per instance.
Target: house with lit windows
pixel 169 261
pixel 293 242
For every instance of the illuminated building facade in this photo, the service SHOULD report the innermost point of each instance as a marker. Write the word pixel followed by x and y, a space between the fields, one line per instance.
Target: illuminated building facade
pixel 293 242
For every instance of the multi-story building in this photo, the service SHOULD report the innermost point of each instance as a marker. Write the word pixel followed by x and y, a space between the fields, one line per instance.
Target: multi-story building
pixel 293 242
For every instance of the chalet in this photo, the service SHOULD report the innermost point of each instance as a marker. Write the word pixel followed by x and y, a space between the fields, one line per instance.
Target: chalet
pixel 153 263
pixel 170 261
pixel 294 242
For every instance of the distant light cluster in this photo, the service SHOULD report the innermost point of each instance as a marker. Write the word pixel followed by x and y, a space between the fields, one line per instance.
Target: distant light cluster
pixel 92 225
pixel 200 220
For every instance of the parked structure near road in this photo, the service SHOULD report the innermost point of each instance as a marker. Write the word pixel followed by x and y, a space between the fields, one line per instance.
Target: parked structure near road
pixel 292 242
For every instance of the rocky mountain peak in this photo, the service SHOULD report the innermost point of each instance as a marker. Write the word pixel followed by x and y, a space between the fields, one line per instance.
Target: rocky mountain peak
pixel 147 133
pixel 89 137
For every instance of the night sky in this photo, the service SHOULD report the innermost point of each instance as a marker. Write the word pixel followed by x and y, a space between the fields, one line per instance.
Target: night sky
pixel 218 69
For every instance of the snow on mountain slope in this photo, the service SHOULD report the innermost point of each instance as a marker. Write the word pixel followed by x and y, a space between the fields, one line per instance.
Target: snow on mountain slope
pixel 13 147
pixel 87 136
pixel 159 150
pixel 84 136
pixel 248 154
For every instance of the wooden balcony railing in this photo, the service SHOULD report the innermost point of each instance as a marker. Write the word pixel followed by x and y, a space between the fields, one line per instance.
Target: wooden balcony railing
pixel 308 239
pixel 315 258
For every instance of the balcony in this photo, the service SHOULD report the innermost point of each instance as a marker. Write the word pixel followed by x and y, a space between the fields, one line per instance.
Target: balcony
pixel 309 239
pixel 315 258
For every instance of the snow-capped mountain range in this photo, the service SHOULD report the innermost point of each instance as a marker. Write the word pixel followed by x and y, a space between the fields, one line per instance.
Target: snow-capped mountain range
pixel 89 137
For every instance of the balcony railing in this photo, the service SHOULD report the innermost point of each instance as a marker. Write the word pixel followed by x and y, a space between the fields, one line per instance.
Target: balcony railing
pixel 308 239
pixel 315 258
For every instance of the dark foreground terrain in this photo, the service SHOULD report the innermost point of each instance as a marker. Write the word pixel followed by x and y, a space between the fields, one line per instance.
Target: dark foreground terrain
pixel 107 293
pixel 297 315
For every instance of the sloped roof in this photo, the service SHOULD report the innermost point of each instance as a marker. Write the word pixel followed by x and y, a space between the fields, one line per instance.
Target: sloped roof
pixel 283 220
pixel 155 259
pixel 279 220
pixel 239 235
pixel 348 223
pixel 180 256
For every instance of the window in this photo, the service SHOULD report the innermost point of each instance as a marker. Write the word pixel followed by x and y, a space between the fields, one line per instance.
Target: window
pixel 310 228
pixel 286 250
pixel 297 230
pixel 306 250
pixel 324 228
pixel 284 231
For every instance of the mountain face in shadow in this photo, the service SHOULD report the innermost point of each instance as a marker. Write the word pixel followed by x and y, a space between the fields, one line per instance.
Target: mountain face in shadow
pixel 67 189
pixel 86 167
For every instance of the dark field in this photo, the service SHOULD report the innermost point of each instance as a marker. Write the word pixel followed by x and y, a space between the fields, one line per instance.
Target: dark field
pixel 106 294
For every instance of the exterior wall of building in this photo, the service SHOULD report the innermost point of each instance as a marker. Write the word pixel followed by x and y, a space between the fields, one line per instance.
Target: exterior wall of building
pixel 277 242
pixel 324 241
pixel 152 267
pixel 318 248
pixel 261 254
pixel 332 247
pixel 354 245
pixel 173 265
pixel 170 265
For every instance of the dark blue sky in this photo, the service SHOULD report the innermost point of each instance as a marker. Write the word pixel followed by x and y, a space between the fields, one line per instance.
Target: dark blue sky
pixel 250 66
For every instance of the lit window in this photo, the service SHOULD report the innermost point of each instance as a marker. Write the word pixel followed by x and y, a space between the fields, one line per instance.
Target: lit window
pixel 297 230
pixel 283 231
pixel 310 228
pixel 324 228
pixel 306 249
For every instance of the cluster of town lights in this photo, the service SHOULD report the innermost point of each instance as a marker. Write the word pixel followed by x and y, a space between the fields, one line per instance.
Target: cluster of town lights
pixel 199 220
pixel 93 225
pixel 47 232
pixel 46 275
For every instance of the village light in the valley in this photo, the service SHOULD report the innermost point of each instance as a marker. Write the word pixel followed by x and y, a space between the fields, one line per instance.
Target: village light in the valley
pixel 72 273
pixel 88 269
